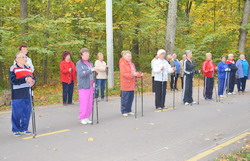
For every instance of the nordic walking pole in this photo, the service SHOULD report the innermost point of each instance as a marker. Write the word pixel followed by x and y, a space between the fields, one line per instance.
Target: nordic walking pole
pixel 216 96
pixel 96 103
pixel 162 90
pixel 136 97
pixel 33 114
pixel 93 103
pixel 174 91
pixel 198 88
pixel 107 88
pixel 142 96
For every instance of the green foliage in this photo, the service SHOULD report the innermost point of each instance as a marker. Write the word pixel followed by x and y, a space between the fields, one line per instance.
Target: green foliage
pixel 139 26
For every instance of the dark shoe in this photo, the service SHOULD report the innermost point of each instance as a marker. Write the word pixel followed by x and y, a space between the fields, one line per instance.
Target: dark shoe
pixel 71 103
pixel 176 89
pixel 65 104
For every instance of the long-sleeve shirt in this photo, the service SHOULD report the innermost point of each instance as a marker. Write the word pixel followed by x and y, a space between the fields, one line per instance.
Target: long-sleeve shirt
pixel 188 67
pixel 222 70
pixel 19 87
pixel 208 69
pixel 162 75
pixel 101 69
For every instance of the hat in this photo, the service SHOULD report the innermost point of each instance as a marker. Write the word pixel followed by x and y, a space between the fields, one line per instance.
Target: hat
pixel 159 52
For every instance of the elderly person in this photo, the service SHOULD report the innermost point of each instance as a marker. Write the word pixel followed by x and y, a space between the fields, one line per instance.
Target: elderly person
pixel 188 78
pixel 222 74
pixel 85 76
pixel 182 66
pixel 208 69
pixel 24 49
pixel 232 77
pixel 68 77
pixel 152 72
pixel 128 77
pixel 174 76
pixel 101 77
pixel 21 80
pixel 161 69
pixel 242 73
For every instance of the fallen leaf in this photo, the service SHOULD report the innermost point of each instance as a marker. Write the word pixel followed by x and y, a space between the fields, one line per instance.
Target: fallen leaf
pixel 207 139
pixel 90 139
pixel 85 132
pixel 55 149
pixel 151 123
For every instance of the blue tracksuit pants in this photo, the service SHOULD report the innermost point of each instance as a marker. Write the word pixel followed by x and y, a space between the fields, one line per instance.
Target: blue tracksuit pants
pixel 21 110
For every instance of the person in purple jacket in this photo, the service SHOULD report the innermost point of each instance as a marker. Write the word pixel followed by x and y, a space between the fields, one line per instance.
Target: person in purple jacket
pixel 222 75
pixel 242 73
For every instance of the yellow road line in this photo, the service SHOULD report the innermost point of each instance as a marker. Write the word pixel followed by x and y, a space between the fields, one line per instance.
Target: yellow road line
pixel 165 109
pixel 206 153
pixel 46 134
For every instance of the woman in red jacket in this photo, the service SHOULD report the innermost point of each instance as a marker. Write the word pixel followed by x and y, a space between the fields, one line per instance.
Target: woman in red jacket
pixel 128 75
pixel 208 69
pixel 68 77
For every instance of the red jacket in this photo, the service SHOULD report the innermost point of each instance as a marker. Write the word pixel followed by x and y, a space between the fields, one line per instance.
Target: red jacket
pixel 66 76
pixel 126 76
pixel 208 69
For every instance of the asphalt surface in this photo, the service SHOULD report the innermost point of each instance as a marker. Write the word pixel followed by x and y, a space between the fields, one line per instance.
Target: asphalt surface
pixel 171 135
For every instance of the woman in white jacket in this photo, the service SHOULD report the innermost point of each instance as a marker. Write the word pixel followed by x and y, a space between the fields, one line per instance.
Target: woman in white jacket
pixel 161 70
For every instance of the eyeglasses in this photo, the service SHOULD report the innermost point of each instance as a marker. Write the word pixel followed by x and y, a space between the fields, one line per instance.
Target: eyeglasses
pixel 23 57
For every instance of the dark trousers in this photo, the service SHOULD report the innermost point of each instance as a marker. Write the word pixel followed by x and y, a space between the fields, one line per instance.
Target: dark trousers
pixel 208 87
pixel 100 87
pixel 182 82
pixel 241 83
pixel 153 84
pixel 127 101
pixel 160 93
pixel 188 88
pixel 231 81
pixel 68 90
pixel 221 86
pixel 173 83
pixel 21 110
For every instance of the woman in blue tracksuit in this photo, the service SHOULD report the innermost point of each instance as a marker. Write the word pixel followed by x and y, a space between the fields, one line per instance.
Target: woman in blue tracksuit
pixel 242 73
pixel 222 75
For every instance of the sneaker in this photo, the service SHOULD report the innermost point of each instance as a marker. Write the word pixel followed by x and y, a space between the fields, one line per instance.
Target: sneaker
pixel 84 122
pixel 159 108
pixel 186 103
pixel 230 93
pixel 125 115
pixel 131 113
pixel 26 133
pixel 193 102
pixel 221 96
pixel 16 134
pixel 88 121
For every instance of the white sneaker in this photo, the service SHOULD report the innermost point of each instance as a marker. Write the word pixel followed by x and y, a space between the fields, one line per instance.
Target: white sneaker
pixel 186 103
pixel 125 115
pixel 84 122
pixel 193 102
pixel 131 113
pixel 229 93
pixel 88 121
pixel 221 96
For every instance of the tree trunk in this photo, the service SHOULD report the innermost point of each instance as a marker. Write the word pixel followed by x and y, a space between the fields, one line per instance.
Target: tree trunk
pixel 24 15
pixel 1 53
pixel 171 26
pixel 243 29
pixel 45 61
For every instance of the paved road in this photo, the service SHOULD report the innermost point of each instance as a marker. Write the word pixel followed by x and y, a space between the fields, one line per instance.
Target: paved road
pixel 173 135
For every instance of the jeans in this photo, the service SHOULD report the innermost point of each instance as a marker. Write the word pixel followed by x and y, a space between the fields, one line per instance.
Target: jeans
pixel 241 84
pixel 100 84
pixel 127 101
pixel 67 92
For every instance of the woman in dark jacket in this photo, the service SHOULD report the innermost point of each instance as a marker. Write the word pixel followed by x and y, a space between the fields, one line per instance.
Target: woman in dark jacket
pixel 68 77
pixel 85 76
pixel 188 79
